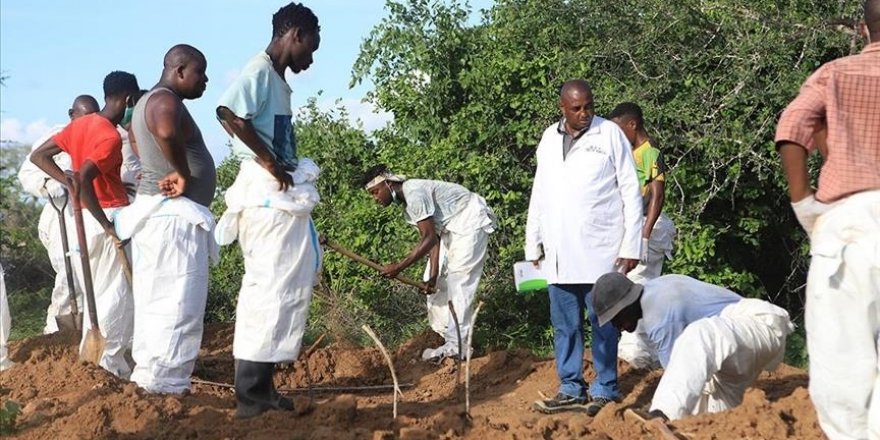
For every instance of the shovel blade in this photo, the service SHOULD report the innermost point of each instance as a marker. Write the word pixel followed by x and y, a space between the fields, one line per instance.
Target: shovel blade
pixel 93 348
pixel 69 324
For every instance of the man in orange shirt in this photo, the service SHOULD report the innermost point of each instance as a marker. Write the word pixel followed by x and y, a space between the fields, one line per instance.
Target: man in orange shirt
pixel 842 220
pixel 95 149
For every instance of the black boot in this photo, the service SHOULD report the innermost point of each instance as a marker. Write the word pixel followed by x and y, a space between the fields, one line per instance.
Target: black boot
pixel 255 390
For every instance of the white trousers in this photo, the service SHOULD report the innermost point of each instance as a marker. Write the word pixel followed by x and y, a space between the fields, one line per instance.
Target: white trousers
pixel 843 318
pixel 49 231
pixel 457 282
pixel 281 260
pixel 634 347
pixel 5 323
pixel 170 258
pixel 113 300
pixel 715 359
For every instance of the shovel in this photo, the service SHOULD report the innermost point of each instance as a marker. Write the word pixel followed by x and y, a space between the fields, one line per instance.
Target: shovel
pixel 72 323
pixel 93 348
pixel 402 278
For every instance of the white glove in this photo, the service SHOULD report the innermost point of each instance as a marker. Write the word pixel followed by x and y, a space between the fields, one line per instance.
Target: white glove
pixel 644 254
pixel 808 210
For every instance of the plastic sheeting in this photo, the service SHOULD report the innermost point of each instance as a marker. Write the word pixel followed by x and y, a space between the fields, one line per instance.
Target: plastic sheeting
pixel 282 258
pixel 715 359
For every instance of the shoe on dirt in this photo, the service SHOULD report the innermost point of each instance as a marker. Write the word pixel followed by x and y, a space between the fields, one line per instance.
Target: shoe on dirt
pixel 596 405
pixel 437 355
pixel 561 403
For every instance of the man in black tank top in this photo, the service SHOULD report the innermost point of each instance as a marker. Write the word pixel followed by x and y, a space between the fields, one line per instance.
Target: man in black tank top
pixel 171 249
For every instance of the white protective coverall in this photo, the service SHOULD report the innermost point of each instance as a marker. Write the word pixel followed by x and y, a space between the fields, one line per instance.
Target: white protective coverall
pixel 463 244
pixel 843 317
pixel 113 298
pixel 5 323
pixel 713 359
pixel 172 246
pixel 634 347
pixel 32 180
pixel 282 258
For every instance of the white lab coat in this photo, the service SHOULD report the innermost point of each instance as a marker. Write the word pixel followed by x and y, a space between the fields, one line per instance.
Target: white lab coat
pixel 586 210
pixel 282 258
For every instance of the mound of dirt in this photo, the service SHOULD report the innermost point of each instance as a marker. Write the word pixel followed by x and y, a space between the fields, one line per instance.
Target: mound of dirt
pixel 63 397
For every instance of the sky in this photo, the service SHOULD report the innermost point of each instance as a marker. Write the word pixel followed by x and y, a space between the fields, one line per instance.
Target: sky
pixel 54 50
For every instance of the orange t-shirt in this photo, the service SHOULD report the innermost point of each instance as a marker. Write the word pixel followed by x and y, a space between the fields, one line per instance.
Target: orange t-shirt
pixel 94 138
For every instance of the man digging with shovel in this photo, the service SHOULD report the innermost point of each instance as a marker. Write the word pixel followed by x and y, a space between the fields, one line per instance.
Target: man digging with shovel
pixel 454 225
pixel 95 148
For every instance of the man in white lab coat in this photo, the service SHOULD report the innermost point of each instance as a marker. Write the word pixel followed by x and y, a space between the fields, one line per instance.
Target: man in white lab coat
pixel 585 219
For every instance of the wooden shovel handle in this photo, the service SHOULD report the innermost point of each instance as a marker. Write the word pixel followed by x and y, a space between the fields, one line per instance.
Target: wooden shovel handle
pixel 402 278
pixel 73 184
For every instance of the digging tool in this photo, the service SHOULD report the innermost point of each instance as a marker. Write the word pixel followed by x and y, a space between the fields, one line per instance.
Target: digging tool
pixel 93 348
pixel 71 323
pixel 402 278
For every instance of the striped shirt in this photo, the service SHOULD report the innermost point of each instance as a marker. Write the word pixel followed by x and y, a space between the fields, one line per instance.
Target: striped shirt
pixel 844 96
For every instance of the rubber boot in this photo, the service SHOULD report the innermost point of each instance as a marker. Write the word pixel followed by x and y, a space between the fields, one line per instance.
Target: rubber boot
pixel 255 389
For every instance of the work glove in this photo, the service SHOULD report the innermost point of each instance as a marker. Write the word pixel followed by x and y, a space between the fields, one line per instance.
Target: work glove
pixel 643 257
pixel 808 210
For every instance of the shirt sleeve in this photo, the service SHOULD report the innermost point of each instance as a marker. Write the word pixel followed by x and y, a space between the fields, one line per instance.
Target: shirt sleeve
pixel 806 113
pixel 246 96
pixel 62 138
pixel 656 166
pixel 663 338
pixel 106 154
pixel 419 205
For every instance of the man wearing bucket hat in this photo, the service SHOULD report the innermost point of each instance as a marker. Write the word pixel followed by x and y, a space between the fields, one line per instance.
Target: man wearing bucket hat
pixel 711 342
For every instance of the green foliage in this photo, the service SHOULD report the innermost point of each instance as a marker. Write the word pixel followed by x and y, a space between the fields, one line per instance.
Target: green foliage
pixel 8 414
pixel 23 256
pixel 470 103
pixel 28 311
pixel 225 277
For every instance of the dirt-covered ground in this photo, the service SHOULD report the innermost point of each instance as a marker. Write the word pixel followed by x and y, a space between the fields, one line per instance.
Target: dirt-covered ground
pixel 64 398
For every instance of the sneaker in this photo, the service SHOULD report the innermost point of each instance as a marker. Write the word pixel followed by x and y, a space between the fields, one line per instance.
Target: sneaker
pixel 596 404
pixel 561 403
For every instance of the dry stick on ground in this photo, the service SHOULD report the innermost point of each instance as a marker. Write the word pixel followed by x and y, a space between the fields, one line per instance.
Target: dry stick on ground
pixel 467 365
pixel 396 391
pixel 458 333
pixel 306 356
pixel 304 390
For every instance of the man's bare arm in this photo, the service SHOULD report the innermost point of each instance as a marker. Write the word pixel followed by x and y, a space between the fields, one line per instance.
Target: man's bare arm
pixel 428 240
pixel 244 130
pixel 794 164
pixel 42 157
pixel 87 174
pixel 166 119
pixel 655 206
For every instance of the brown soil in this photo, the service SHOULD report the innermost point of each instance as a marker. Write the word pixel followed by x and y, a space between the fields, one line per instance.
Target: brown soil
pixel 69 399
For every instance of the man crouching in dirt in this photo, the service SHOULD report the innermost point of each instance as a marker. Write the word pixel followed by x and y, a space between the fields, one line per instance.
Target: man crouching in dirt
pixel 268 209
pixel 454 226
pixel 711 342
